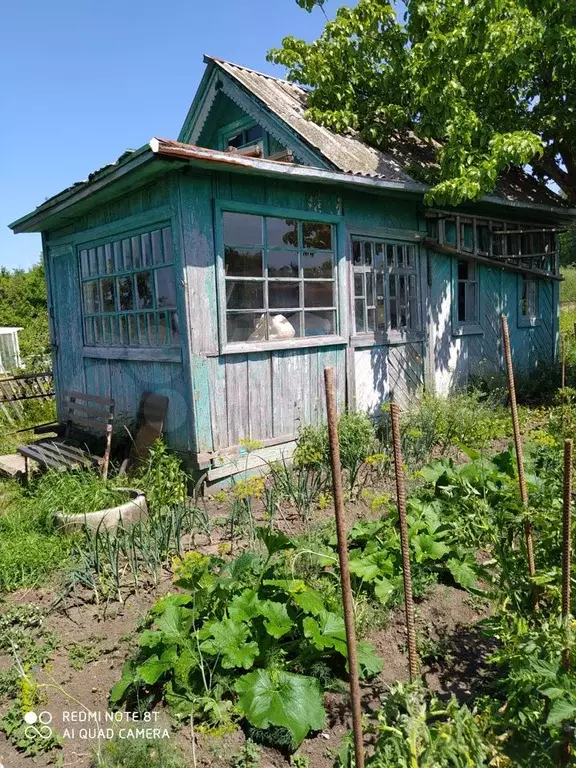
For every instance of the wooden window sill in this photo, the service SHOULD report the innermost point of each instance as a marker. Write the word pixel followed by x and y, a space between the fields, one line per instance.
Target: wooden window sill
pixel 243 348
pixel 373 340
pixel 473 329
pixel 142 354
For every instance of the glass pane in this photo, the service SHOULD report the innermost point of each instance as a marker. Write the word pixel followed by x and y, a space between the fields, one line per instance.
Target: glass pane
pixel 105 330
pixel 167 245
pixel 137 256
pixel 462 270
pixel 317 236
pixel 412 287
pixel 101 260
pixel 319 323
pixel 282 263
pixel 175 328
pixel 165 288
pixel 243 262
pixel 133 330
pixel 409 251
pixel 359 315
pixel 97 327
pixel 109 258
pixel 157 254
pixel 118 260
pixel 461 302
pixel 145 250
pixel 318 294
pixel 359 284
pixel 245 327
pixel 317 264
pixel 151 320
pixel 392 286
pixel 84 265
pixel 143 331
pixel 108 294
pixel 356 253
pixel 403 318
pixel 114 332
pixel 88 333
pixel 369 288
pixel 282 233
pixel 471 302
pixel 513 245
pixel 381 317
pixel 368 254
pixel 483 235
pixel 242 229
pixel 390 255
pixel 467 237
pixel 127 255
pixel 91 297
pixel 371 326
pixel 125 293
pixel 450 232
pixel 242 295
pixel 253 134
pixel 393 315
pixel 124 337
pixel 93 261
pixel 379 255
pixel 400 255
pixel 144 296
pixel 413 307
pixel 402 287
pixel 432 228
pixel 283 295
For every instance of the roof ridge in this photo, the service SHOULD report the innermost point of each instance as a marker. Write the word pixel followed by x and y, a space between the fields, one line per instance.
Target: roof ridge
pixel 218 60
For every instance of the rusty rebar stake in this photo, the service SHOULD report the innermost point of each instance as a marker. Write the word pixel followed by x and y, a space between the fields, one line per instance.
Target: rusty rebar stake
pixel 566 569
pixel 563 366
pixel 404 543
pixel 332 417
pixel 519 449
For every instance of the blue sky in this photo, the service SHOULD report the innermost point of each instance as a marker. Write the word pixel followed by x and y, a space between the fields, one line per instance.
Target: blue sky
pixel 84 80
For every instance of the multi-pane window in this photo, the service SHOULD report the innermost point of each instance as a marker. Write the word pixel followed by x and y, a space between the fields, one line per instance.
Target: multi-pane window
pixel 129 293
pixel 467 293
pixel 280 278
pixel 529 299
pixel 385 286
pixel 247 137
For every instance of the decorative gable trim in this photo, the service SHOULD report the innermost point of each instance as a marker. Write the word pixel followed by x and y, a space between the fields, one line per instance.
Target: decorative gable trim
pixel 218 81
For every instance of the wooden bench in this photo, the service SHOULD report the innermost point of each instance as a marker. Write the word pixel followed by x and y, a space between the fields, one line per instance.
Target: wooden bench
pixel 90 412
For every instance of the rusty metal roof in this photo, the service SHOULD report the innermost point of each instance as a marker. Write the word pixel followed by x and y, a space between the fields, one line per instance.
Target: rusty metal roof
pixel 350 154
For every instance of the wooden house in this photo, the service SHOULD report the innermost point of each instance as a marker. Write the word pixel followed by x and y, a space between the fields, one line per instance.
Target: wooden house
pixel 227 268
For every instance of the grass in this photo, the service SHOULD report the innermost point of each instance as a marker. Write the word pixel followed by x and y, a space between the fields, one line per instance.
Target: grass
pixel 74 492
pixel 568 285
pixel 30 414
pixel 135 753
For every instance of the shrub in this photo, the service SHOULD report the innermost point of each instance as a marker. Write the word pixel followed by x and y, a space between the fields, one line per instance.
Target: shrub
pixel 137 753
pixel 162 478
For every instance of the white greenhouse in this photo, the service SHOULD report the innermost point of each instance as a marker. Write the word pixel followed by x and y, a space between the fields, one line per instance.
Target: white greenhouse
pixel 10 360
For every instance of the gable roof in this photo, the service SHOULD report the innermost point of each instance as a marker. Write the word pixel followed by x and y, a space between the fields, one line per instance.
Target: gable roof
pixel 348 153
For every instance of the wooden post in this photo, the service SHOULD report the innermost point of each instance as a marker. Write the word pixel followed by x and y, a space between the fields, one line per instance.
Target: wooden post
pixel 519 449
pixel 332 415
pixel 575 330
pixel 406 570
pixel 566 568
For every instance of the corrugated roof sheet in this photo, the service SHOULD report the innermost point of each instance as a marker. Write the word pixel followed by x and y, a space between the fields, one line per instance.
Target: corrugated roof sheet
pixel 350 154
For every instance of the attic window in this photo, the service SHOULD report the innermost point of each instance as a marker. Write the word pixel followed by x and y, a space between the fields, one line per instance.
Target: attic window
pixel 247 137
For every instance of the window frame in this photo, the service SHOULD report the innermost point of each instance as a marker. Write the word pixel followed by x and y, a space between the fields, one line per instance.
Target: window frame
pixel 238 126
pixel 110 348
pixel 222 206
pixel 389 336
pixel 466 327
pixel 529 321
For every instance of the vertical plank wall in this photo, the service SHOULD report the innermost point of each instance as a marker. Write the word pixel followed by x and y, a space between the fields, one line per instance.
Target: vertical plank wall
pixel 124 380
pixel 458 359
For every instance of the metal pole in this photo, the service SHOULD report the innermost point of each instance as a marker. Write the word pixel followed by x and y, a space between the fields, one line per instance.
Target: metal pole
pixel 406 570
pixel 332 415
pixel 566 568
pixel 518 444
pixel 574 330
pixel 563 348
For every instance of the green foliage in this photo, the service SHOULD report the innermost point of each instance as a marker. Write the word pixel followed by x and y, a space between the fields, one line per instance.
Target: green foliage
pixel 23 304
pixel 162 478
pixel 568 285
pixel 415 729
pixel 249 756
pixel 481 85
pixel 237 644
pixel 80 654
pixel 30 548
pixel 30 414
pixel 136 753
pixel 76 491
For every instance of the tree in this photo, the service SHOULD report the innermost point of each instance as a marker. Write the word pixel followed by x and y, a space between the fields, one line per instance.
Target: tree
pixel 485 84
pixel 23 303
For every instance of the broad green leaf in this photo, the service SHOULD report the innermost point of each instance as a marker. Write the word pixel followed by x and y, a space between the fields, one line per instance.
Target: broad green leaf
pixel 153 668
pixel 274 541
pixel 244 607
pixel 275 697
pixel 309 601
pixel 370 665
pixel 229 639
pixel 174 623
pixel 462 573
pixel 327 631
pixel 383 588
pixel 562 709
pixel 364 567
pixel 277 621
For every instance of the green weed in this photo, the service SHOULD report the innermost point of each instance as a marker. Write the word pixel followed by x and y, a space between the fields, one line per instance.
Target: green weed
pixel 136 753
